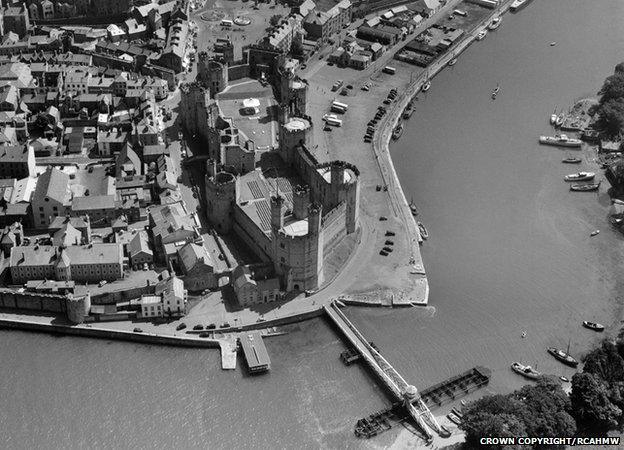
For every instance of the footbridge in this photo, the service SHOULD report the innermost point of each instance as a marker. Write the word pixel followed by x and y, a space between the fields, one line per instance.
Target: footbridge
pixel 392 380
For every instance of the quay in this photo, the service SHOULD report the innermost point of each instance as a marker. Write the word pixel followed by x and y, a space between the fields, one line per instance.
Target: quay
pixel 399 390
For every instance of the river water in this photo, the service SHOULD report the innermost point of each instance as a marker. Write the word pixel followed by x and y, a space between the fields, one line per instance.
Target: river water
pixel 509 251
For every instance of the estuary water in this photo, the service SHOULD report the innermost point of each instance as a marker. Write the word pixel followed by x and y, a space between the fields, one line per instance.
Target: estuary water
pixel 509 252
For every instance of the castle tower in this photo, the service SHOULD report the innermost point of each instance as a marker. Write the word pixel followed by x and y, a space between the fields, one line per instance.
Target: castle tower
pixel 277 212
pixel 297 97
pixel 301 201
pixel 222 190
pixel 295 131
pixel 212 73
pixel 314 276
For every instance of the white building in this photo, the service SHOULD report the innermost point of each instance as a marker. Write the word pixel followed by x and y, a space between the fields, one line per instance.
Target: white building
pixel 173 296
pixel 151 306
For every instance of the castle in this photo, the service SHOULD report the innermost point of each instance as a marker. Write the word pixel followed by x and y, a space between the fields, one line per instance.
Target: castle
pixel 285 205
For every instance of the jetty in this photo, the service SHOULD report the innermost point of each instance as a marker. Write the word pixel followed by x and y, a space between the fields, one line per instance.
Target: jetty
pixel 255 352
pixel 396 386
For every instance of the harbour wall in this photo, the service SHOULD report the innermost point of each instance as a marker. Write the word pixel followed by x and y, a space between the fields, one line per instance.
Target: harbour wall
pixel 101 333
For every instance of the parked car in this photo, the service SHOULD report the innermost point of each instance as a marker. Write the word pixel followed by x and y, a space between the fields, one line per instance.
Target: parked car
pixel 138 330
pixel 198 327
pixel 211 326
pixel 225 325
pixel 182 326
pixel 390 233
pixel 145 266
pixel 204 334
pixel 383 218
pixel 102 283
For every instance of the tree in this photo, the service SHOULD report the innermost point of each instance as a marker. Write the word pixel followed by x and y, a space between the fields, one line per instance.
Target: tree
pixel 546 411
pixel 611 116
pixel 619 68
pixel 492 416
pixel 605 362
pixel 591 404
pixel 275 19
pixel 613 88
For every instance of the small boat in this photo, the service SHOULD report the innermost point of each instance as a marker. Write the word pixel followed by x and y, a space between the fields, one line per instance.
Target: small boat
pixel 426 86
pixel 585 187
pixel 524 334
pixel 562 356
pixel 397 132
pixel 617 201
pixel 580 176
pixel 495 23
pixel 564 378
pixel 593 326
pixel 553 117
pixel 452 62
pixel 560 120
pixel 571 160
pixel 553 43
pixel 408 111
pixel 525 371
pixel 444 432
pixel 482 34
pixel 457 412
pixel 413 208
pixel 561 140
pixel 518 4
pixel 453 418
pixel 594 233
pixel 616 221
pixel 463 402
pixel 423 231
pixel 495 91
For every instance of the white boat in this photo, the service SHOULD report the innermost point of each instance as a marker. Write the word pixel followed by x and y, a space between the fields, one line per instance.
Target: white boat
pixel 525 371
pixel 518 4
pixel 580 176
pixel 593 325
pixel 452 62
pixel 560 120
pixel 595 233
pixel 560 140
pixel 617 201
pixel 495 23
pixel 553 117
pixel 481 35
pixel 426 86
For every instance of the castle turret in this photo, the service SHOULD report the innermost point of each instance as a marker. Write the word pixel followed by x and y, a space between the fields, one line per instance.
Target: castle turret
pixel 222 190
pixel 301 201
pixel 337 173
pixel 295 131
pixel 277 212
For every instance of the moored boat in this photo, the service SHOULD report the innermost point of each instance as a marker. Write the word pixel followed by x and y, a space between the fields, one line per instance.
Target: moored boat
pixel 563 356
pixel 481 35
pixel 593 325
pixel 585 187
pixel 518 4
pixel 571 160
pixel 594 233
pixel 495 91
pixel 564 378
pixel 560 140
pixel 413 208
pixel 495 23
pixel 397 132
pixel 408 111
pixel 457 412
pixel 525 371
pixel 444 432
pixel 423 231
pixel 426 86
pixel 453 418
pixel 580 176
pixel 553 117
pixel 560 120
pixel 452 62
pixel 617 201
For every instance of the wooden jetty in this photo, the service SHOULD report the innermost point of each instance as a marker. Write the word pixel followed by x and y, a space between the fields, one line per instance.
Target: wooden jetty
pixel 434 396
pixel 456 387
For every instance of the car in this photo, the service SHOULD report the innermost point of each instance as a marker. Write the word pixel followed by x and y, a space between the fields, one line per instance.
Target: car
pixel 349 86
pixel 138 330
pixel 198 327
pixel 383 218
pixel 387 249
pixel 389 243
pixel 365 88
pixel 204 334
pixel 309 292
pixel 145 266
pixel 344 92
pixel 368 140
pixel 225 325
pixel 260 319
pixel 330 63
pixel 211 326
pixel 378 187
pixel 303 66
pixel 102 283
pixel 390 233
pixel 327 129
pixel 385 188
pixel 382 253
pixel 387 101
pixel 182 326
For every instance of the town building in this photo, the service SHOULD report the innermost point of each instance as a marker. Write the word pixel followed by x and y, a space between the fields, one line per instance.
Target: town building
pixel 17 161
pixel 90 263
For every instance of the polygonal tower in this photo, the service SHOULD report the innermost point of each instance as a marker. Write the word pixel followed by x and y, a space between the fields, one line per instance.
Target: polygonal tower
pixel 222 190
pixel 212 73
pixel 293 132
